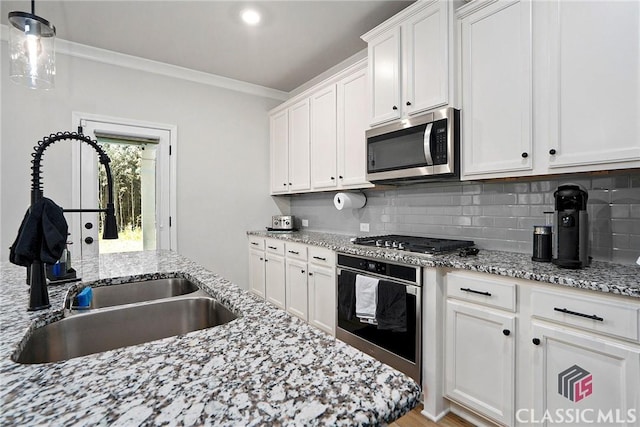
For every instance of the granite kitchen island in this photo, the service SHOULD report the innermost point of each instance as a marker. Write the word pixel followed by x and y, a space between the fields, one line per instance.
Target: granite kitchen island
pixel 264 368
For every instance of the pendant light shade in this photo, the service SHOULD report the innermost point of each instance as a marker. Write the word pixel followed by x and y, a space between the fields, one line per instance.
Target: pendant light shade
pixel 31 48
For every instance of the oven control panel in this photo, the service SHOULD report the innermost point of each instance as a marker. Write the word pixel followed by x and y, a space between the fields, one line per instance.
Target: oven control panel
pixel 391 271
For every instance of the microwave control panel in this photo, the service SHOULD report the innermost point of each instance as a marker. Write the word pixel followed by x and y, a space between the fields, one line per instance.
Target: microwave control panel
pixel 439 142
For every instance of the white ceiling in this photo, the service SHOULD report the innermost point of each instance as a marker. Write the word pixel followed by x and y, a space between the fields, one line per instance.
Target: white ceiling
pixel 295 41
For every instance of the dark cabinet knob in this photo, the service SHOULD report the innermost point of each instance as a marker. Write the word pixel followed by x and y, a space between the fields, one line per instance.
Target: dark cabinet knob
pixel 408 103
pixel 285 184
pixel 88 240
pixel 261 259
pixel 266 260
pixel 395 108
pixel 332 178
pixel 536 341
pixel 88 226
pixel 290 184
pixel 341 177
pixel 552 151
pixel 302 271
pixel 506 332
pixel 310 274
pixel 525 155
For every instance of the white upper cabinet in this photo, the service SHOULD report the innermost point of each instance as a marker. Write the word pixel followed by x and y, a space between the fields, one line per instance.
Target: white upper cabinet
pixel 324 138
pixel 352 123
pixel 384 72
pixel 495 49
pixel 318 138
pixel 426 55
pixel 299 160
pixel 279 124
pixel 594 85
pixel 548 87
pixel 409 61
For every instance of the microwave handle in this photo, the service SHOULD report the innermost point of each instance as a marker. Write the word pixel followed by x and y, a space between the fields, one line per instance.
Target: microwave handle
pixel 427 144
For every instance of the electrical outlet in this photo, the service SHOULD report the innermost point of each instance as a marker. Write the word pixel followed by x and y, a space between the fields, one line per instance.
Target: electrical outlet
pixel 364 226
pixel 305 222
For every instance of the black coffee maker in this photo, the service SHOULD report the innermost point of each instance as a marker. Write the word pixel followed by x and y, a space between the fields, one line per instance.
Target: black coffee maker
pixel 571 227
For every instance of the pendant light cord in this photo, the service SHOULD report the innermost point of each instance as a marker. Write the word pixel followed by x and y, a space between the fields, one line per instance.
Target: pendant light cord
pixel 33 7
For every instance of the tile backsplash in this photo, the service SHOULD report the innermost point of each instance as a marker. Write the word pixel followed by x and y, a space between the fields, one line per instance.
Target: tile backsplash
pixel 497 215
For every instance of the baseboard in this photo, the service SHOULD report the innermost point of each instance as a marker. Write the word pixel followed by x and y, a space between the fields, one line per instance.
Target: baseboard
pixel 433 418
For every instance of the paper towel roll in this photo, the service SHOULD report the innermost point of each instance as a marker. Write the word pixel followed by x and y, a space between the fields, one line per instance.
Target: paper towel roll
pixel 349 200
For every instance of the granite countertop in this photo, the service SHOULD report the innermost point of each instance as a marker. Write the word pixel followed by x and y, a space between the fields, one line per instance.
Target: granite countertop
pixel 264 368
pixel 599 276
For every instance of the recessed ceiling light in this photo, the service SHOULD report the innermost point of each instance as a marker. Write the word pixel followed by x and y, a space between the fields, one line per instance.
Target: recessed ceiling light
pixel 250 16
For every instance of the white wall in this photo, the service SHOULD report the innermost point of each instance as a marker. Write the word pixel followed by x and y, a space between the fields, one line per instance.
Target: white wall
pixel 223 152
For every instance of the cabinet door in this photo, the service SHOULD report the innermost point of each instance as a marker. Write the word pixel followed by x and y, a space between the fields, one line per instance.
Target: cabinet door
pixel 384 76
pixel 594 85
pixel 496 89
pixel 299 173
pixel 275 280
pixel 257 272
pixel 279 124
pixel 425 60
pixel 352 123
pixel 322 298
pixel 578 372
pixel 324 138
pixel 297 293
pixel 480 360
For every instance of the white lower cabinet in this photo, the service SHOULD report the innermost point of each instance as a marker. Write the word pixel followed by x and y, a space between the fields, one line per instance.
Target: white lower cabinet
pixel 295 277
pixel 297 293
pixel 322 290
pixel 480 345
pixel 594 380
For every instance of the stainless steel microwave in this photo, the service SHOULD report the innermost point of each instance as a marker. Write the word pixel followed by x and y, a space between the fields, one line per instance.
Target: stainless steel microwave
pixel 421 148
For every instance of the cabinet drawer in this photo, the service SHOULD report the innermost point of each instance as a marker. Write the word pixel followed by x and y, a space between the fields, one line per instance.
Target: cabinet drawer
pixel 322 256
pixel 492 292
pixel 591 313
pixel 274 246
pixel 256 242
pixel 296 251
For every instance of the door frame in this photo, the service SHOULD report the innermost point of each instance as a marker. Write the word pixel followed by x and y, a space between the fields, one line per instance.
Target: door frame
pixel 77 117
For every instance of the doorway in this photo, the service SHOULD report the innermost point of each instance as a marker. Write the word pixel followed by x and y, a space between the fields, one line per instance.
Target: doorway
pixel 143 170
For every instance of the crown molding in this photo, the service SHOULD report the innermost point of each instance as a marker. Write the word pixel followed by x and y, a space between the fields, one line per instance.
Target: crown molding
pixel 78 50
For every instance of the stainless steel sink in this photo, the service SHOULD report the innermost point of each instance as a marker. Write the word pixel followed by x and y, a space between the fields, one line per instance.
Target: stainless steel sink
pixel 110 328
pixel 133 292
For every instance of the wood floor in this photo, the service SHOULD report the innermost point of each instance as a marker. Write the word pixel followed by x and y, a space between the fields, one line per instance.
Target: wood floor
pixel 415 419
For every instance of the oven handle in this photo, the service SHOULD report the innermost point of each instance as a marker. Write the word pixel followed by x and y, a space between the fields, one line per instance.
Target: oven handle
pixel 411 289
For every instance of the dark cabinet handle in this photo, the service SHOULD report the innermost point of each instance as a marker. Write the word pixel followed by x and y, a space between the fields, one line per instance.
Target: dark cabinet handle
pixel 310 274
pixel 266 260
pixel 332 178
pixel 506 332
pixel 525 155
pixel 340 176
pixel 302 271
pixel 395 108
pixel 88 240
pixel 552 151
pixel 293 252
pixel 261 259
pixel 285 184
pixel 473 291
pixel 320 258
pixel 290 184
pixel 536 341
pixel 575 313
pixel 408 103
pixel 255 244
pixel 272 247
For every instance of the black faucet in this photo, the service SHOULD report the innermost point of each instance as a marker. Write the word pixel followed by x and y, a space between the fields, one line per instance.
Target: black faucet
pixel 38 294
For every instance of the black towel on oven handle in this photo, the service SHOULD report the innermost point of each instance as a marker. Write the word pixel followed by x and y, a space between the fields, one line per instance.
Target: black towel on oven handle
pixel 391 311
pixel 347 294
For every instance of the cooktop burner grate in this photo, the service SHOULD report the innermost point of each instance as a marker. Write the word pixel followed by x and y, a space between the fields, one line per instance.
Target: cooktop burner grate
pixel 427 245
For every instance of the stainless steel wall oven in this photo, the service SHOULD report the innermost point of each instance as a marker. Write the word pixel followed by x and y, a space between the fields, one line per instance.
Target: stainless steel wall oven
pixel 398 347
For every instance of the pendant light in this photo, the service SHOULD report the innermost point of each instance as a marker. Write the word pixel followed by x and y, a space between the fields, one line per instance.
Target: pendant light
pixel 31 48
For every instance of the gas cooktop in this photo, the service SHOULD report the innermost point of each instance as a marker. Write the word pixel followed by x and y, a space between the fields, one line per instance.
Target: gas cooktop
pixel 425 245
